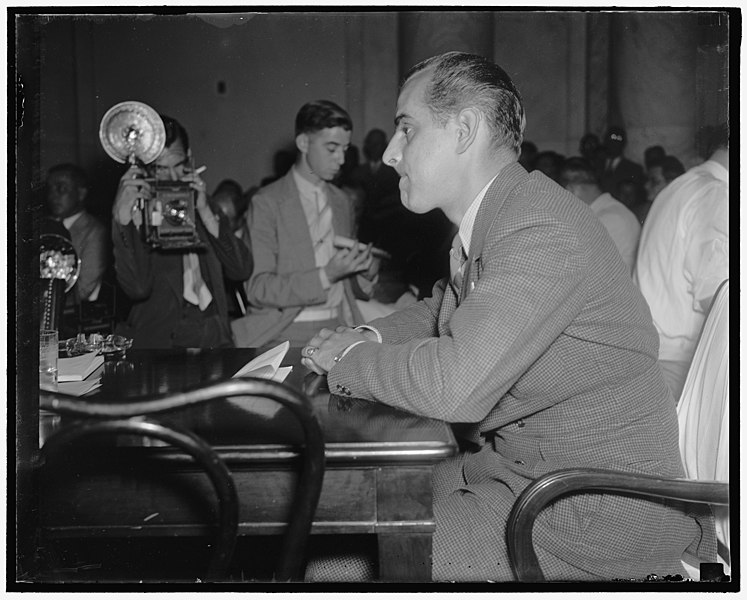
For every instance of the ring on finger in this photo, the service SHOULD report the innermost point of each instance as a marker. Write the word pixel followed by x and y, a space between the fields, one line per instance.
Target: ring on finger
pixel 310 350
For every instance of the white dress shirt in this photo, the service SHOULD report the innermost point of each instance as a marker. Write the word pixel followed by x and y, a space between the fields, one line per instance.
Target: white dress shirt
pixel 683 256
pixel 314 200
pixel 621 224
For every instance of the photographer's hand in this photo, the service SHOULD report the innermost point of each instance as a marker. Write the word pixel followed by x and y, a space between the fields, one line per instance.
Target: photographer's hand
pixel 209 219
pixel 132 186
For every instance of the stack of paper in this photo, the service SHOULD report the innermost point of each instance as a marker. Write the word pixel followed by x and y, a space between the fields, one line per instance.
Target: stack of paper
pixel 265 366
pixel 79 375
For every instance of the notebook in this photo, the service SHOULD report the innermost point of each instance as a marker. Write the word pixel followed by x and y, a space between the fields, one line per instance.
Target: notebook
pixel 78 368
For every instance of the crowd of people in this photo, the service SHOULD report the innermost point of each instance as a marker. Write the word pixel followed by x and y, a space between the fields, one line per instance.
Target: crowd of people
pixel 529 299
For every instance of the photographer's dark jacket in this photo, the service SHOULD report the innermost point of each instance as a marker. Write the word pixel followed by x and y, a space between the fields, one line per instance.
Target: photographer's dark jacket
pixel 153 280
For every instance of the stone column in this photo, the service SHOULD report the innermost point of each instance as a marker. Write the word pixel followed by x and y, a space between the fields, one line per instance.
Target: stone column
pixel 425 34
pixel 653 58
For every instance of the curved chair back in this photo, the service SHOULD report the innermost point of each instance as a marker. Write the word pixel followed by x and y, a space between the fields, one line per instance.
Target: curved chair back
pixel 117 418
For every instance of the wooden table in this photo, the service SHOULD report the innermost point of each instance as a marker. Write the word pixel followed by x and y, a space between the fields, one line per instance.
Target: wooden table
pixel 378 463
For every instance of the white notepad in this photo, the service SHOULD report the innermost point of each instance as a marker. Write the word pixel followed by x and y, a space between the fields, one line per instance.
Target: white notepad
pixel 78 368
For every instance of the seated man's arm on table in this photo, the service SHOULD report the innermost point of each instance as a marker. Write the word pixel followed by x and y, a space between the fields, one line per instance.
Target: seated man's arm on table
pixel 267 287
pixel 530 290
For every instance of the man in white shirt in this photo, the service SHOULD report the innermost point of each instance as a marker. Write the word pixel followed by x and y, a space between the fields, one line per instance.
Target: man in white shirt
pixel 578 177
pixel 683 256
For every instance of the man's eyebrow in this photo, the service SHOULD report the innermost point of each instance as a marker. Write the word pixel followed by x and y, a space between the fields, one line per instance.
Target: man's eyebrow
pixel 399 117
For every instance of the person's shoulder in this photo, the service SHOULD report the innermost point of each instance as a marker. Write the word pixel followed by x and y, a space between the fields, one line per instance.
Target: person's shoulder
pixel 276 190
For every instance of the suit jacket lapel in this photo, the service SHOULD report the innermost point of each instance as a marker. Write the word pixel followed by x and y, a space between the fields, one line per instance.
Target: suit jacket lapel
pixel 338 211
pixel 492 205
pixel 294 218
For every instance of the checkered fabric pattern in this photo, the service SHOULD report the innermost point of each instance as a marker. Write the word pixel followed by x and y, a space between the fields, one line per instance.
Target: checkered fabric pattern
pixel 551 355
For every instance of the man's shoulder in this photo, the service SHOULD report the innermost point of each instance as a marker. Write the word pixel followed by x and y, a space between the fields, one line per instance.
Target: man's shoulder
pixel 279 189
pixel 89 223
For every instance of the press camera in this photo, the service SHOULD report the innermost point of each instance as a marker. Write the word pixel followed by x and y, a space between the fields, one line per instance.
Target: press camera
pixel 169 215
pixel 132 132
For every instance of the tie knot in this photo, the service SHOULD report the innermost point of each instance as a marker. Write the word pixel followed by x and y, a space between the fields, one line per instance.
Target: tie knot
pixel 457 250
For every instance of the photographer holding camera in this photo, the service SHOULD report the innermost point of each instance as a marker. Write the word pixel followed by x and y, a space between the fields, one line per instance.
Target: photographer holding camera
pixel 178 295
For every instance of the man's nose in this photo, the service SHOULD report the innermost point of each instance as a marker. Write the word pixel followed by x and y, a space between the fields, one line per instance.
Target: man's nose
pixel 392 154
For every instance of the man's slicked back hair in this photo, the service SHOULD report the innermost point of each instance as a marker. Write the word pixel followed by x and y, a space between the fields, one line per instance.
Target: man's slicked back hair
pixel 461 80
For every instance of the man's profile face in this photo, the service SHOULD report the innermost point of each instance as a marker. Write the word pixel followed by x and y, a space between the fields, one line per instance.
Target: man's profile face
pixel 172 164
pixel 420 151
pixel 324 151
pixel 655 182
pixel 64 197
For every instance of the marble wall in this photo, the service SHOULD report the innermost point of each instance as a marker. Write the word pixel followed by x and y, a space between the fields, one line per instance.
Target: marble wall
pixel 237 83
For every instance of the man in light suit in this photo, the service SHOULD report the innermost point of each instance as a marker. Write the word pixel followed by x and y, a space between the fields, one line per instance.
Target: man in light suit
pixel 67 190
pixel 301 282
pixel 539 348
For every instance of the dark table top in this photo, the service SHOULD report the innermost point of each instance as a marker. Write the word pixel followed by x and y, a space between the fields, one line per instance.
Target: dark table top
pixel 247 428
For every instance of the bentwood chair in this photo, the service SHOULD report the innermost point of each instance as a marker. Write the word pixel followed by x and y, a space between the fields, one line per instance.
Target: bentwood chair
pixel 91 419
pixel 703 413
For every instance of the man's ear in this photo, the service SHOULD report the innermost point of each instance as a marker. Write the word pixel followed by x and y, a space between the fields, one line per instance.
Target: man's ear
pixel 468 123
pixel 82 194
pixel 302 143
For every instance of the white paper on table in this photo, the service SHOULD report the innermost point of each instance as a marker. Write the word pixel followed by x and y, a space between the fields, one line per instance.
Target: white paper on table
pixel 78 368
pixel 257 367
pixel 265 366
pixel 79 388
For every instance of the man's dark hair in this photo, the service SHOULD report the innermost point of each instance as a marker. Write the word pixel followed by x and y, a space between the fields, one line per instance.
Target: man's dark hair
pixel 76 173
pixel 322 114
pixel 462 80
pixel 653 154
pixel 671 167
pixel 577 170
pixel 175 131
pixel 232 189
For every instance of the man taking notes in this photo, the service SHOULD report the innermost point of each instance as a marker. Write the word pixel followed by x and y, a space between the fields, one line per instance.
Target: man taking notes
pixel 301 281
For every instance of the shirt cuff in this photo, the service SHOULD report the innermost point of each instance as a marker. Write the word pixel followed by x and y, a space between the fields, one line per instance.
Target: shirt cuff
pixel 369 328
pixel 324 279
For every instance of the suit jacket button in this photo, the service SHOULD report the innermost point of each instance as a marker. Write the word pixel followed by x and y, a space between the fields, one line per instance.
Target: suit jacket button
pixel 520 423
pixel 519 462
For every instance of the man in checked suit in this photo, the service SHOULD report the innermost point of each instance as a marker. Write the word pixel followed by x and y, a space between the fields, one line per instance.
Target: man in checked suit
pixel 540 349
pixel 301 281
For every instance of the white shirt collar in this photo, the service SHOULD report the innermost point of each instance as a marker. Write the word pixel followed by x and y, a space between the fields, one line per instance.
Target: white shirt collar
pixel 68 221
pixel 306 188
pixel 468 220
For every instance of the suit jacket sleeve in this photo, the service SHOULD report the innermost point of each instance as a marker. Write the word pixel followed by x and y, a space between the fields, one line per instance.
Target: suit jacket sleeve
pixel 530 289
pixel 93 256
pixel 233 253
pixel 132 261
pixel 270 286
